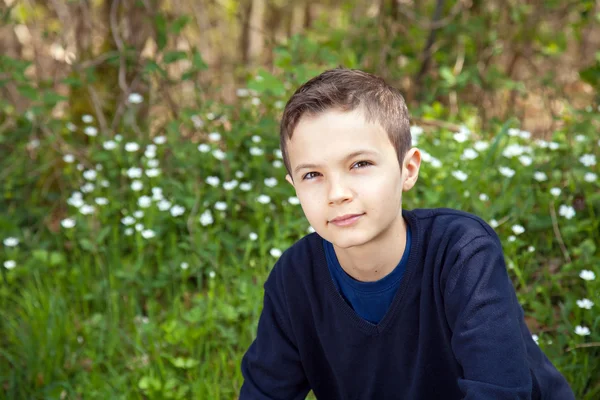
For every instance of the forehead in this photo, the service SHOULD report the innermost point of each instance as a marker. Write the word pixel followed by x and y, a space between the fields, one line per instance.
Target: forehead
pixel 331 135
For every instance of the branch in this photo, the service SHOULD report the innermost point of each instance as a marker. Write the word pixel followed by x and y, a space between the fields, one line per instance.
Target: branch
pixel 119 42
pixel 578 346
pixel 557 233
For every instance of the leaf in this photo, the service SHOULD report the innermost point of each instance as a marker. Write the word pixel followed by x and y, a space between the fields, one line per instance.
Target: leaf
pixel 184 363
pixel 160 23
pixel 51 98
pixel 28 91
pixel 172 56
pixel 198 61
pixel 179 24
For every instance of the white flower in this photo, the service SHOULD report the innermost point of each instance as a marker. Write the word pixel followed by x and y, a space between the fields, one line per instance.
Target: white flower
pixel 210 116
pixel 483 197
pixel 540 176
pixel 214 136
pixel 213 181
pixel 118 137
pixel 310 229
pixel 164 205
pixel 109 145
pixel 90 174
pixel 587 275
pixel 270 182
pixel 87 188
pixel 279 104
pixel 277 164
pixel 255 101
pixel 481 145
pixel 590 177
pixel 469 154
pixel 87 118
pixel 507 172
pixel 553 146
pixel 221 205
pixel 144 201
pixel 512 238
pixel 101 201
pixel 435 163
pixel 136 186
pixel 176 211
pixel 416 130
pixel 542 143
pixel 294 200
pixel 197 121
pixel 535 339
pixel 212 274
pixel 128 220
pixel 150 153
pixel 135 98
pixel 513 132
pixel 10 264
pixel 75 202
pixel 253 236
pixel 219 154
pixel 525 160
pixel 494 223
pixel 203 148
pixel 239 174
pixel 206 218
pixel 153 172
pixel 138 214
pixel 132 147
pixel 518 229
pixel 580 138
pixel 278 153
pixel 460 137
pixel 68 223
pixel 275 252
pixel 80 167
pixel 461 176
pixel 513 150
pixel 525 135
pixel 566 211
pixel 153 163
pixel 242 92
pixel 71 127
pixel 230 185
pixel 90 131
pixel 263 199
pixel 531 249
pixel 11 242
pixel 256 139
pixel 585 303
pixel 69 158
pixel 245 186
pixel 86 209
pixel 184 265
pixel 158 140
pixel 256 151
pixel 148 233
pixel 582 330
pixel 104 183
pixel 139 227
pixel 555 191
pixel 157 194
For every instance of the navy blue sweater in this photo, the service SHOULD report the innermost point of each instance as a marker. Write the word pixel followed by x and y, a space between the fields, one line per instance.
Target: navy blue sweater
pixel 454 330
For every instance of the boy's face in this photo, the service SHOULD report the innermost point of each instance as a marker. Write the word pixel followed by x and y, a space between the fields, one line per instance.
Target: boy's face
pixel 342 166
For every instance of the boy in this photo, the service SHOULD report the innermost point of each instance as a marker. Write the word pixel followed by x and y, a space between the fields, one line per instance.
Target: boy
pixel 380 302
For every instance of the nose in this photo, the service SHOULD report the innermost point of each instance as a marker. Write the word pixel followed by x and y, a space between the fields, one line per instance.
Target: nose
pixel 339 191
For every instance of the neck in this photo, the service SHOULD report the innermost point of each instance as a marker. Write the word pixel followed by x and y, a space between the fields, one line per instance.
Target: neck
pixel 376 259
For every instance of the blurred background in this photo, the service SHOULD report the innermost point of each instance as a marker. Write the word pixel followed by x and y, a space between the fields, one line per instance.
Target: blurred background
pixel 142 192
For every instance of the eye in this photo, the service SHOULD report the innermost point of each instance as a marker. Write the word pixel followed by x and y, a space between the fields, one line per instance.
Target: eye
pixel 310 175
pixel 361 164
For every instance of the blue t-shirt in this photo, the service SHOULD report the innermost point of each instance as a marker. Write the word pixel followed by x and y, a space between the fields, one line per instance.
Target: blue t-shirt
pixel 370 300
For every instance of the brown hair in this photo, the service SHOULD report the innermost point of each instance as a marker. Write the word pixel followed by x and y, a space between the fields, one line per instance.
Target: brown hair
pixel 347 89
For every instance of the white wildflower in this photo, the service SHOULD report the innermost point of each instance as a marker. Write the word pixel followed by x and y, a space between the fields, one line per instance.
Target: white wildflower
pixel 242 92
pixel 255 101
pixel 531 249
pixel 11 242
pixel 128 220
pixel 176 211
pixel 101 201
pixel 553 146
pixel 10 264
pixel 69 158
pixel 213 181
pixel 148 233
pixel 90 131
pixel 590 177
pixel 555 191
pixel 512 238
pixel 525 160
pixel 184 265
pixel 460 137
pixel 136 186
pixel 219 154
pixel 270 182
pixel 104 183
pixel 87 118
pixel 507 172
pixel 513 132
pixel 566 211
pixel 277 164
pixel 256 151
pixel 139 227
pixel 518 229
pixel 214 136
pixel 239 174
pixel 212 274
pixel 210 116
pixel 535 339
pixel 197 121
pixel 206 218
pixel 109 145
pixel 163 205
pixel 132 147
pixel 68 223
pixel 469 154
pixel 153 172
pixel 221 205
pixel 587 275
pixel 230 185
pixel 494 223
pixel 513 150
pixel 582 330
pixel 483 197
pixel 118 138
pixel 585 303
pixel 138 214
pixel 580 138
pixel 71 126
pixel 294 200
pixel 256 139
pixel 460 175
pixel 263 199
pixel 203 148
pixel 76 202
pixel 253 236
pixel 144 201
pixel 275 252
pixel 279 104
pixel 481 145
pixel 135 98
pixel 153 163
pixel 160 139
pixel 90 174
pixel 88 187
pixel 87 209
pixel 540 176
pixel 245 186
pixel 278 153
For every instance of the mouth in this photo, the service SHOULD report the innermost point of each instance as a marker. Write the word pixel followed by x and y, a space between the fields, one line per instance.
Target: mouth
pixel 346 220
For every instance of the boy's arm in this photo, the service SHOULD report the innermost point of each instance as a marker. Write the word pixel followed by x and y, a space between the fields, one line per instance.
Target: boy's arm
pixel 483 313
pixel 271 367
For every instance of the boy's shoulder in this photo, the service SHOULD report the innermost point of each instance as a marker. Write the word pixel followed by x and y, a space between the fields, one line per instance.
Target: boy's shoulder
pixel 448 223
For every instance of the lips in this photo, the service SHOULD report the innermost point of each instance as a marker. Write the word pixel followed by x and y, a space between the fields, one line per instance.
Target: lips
pixel 345 220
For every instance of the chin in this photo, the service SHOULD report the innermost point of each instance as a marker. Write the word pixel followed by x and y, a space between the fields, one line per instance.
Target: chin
pixel 347 240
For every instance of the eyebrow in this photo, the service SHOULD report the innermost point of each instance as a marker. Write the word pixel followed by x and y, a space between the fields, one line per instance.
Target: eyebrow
pixel 348 157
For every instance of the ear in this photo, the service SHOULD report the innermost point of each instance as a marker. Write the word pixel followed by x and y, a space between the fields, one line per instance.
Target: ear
pixel 410 169
pixel 290 180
